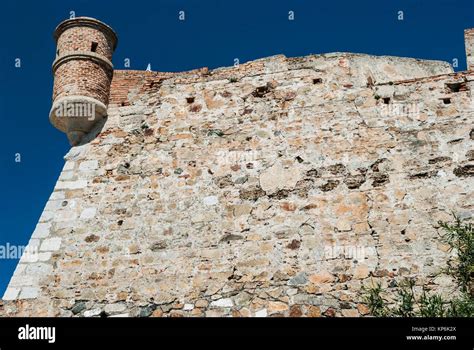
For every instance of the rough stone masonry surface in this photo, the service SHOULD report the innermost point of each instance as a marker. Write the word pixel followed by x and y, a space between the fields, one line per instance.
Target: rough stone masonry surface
pixel 280 187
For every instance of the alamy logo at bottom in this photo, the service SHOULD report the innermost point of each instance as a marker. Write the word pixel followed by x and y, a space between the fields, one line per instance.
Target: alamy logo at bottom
pixel 37 333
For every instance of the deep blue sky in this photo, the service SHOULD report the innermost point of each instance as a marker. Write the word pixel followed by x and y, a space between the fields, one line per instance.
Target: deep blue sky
pixel 213 34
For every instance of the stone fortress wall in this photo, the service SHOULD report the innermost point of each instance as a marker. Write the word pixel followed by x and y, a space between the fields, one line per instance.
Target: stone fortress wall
pixel 279 187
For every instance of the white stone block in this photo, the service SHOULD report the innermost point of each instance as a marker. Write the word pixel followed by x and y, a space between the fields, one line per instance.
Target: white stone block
pixel 69 166
pixel 51 244
pixel 71 204
pixel 211 200
pixel 42 230
pixel 76 153
pixel 29 256
pixel 29 293
pixel 89 165
pixel 226 302
pixel 53 205
pixel 188 307
pixel 71 185
pixel 33 243
pixel 23 280
pixel 92 313
pixel 39 269
pixel 65 215
pixel 261 313
pixel 20 268
pixel 114 308
pixel 57 195
pixel 278 177
pixel 46 216
pixel 88 213
pixel 44 256
pixel 66 175
pixel 11 293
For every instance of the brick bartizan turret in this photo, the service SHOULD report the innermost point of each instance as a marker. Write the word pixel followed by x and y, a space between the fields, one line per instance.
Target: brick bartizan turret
pixel 82 76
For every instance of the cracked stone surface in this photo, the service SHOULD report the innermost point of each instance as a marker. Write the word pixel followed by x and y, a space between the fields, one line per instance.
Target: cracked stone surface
pixel 279 187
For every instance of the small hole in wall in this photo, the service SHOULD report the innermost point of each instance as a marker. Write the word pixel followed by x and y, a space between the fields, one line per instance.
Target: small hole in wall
pixel 317 81
pixel 120 222
pixel 94 46
pixel 454 87
pixel 370 81
pixel 386 100
pixel 261 91
pixel 446 101
pixel 190 99
pixel 457 87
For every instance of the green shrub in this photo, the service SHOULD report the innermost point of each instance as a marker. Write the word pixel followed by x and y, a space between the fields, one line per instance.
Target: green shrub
pixel 431 306
pixel 406 296
pixel 375 301
pixel 460 238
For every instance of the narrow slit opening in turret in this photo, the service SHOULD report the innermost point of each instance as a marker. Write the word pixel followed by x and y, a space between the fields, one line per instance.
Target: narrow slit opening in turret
pixel 94 46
